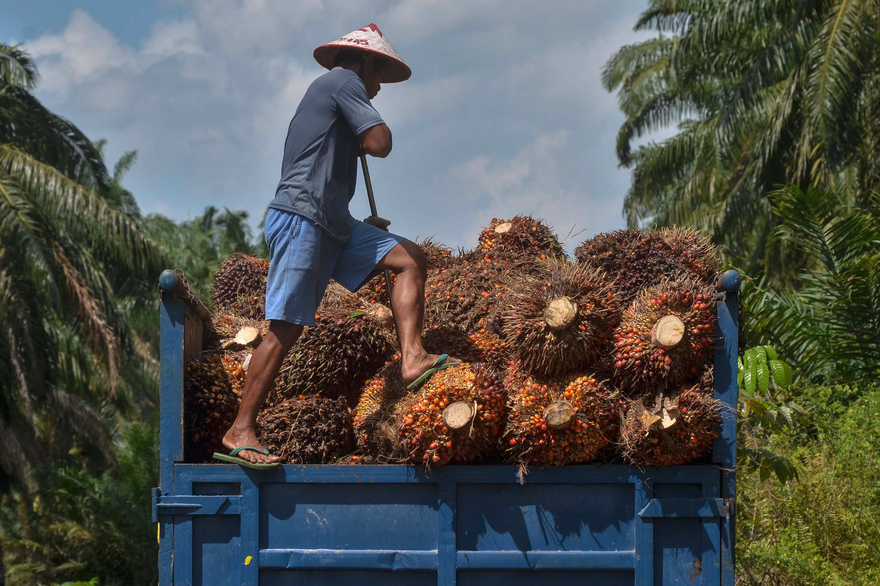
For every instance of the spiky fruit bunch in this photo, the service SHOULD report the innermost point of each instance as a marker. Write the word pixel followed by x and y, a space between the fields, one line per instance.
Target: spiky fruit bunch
pixel 209 404
pixel 240 286
pixel 236 364
pixel 307 430
pixel 457 416
pixel 468 294
pixel 334 359
pixel 520 234
pixel 666 336
pixel 559 421
pixel 338 299
pixel 374 415
pixel 439 255
pixel 482 346
pixel 693 251
pixel 670 430
pixel 563 324
pixel 636 259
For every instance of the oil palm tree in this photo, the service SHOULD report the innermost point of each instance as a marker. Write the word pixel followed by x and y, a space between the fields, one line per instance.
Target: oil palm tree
pixel 64 244
pixel 763 93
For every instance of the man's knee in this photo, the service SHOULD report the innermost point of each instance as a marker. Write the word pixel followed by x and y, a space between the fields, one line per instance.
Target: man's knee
pixel 285 333
pixel 417 258
pixel 406 256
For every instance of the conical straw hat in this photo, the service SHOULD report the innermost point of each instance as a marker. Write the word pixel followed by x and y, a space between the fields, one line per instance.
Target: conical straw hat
pixel 371 40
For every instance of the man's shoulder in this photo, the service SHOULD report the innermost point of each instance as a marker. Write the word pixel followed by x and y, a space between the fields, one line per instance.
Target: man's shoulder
pixel 334 79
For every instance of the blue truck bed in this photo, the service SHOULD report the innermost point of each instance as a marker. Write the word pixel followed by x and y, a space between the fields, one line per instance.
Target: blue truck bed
pixel 345 525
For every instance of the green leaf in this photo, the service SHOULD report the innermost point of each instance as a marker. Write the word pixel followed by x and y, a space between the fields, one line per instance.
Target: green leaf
pixel 358 313
pixel 771 353
pixel 762 374
pixel 740 369
pixel 749 358
pixel 781 373
pixel 750 379
pixel 760 354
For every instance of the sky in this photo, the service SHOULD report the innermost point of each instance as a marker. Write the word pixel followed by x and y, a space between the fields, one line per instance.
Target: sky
pixel 504 114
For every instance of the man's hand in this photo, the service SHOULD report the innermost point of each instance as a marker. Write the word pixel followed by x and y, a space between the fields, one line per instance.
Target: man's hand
pixel 378 222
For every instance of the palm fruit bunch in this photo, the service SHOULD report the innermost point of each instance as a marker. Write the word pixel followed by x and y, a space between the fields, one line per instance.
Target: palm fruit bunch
pixel 668 430
pixel 240 286
pixel 307 430
pixel 374 414
pixel 666 336
pixel 439 256
pixel 558 421
pixel 562 324
pixel 334 359
pixel 482 346
pixel 457 416
pixel 469 293
pixel 235 365
pixel 338 299
pixel 210 403
pixel 692 251
pixel 636 259
pixel 520 234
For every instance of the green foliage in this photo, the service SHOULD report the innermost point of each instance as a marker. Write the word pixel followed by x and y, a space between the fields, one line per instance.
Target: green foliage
pixel 86 524
pixel 764 412
pixel 824 527
pixel 198 247
pixel 762 92
pixel 830 326
pixel 74 266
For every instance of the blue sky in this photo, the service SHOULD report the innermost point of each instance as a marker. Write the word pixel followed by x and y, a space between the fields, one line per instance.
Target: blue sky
pixel 504 113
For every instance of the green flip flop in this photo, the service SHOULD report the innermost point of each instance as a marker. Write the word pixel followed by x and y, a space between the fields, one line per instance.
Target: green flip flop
pixel 439 365
pixel 233 458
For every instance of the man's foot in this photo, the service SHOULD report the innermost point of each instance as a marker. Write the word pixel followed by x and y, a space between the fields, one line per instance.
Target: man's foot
pixel 248 438
pixel 418 368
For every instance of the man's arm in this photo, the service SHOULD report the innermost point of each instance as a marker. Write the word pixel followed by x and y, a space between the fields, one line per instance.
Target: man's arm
pixel 376 140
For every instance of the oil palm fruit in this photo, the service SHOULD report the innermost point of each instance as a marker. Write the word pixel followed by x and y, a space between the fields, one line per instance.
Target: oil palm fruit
pixel 374 415
pixel 692 251
pixel 469 293
pixel 668 430
pixel 456 417
pixel 334 359
pixel 561 420
pixel 560 324
pixel 635 259
pixel 209 404
pixel 240 286
pixel 666 336
pixel 482 346
pixel 307 430
pixel 439 256
pixel 520 234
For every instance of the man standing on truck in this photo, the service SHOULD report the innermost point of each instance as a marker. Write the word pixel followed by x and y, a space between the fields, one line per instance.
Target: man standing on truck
pixel 312 236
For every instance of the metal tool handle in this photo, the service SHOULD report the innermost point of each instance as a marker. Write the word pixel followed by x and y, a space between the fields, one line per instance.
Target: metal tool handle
pixel 373 212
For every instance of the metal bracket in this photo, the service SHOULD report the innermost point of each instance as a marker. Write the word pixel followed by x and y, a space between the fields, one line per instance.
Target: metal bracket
pixel 706 508
pixel 194 505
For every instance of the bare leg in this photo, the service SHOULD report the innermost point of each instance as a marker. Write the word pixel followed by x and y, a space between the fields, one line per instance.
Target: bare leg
pixel 408 262
pixel 262 371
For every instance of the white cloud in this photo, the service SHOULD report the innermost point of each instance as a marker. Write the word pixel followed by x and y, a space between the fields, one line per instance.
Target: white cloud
pixel 84 53
pixel 174 38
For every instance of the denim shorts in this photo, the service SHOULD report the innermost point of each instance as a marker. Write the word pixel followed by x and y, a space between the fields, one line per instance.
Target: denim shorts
pixel 303 258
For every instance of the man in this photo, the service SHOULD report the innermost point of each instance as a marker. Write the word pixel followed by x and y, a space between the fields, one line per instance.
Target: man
pixel 312 236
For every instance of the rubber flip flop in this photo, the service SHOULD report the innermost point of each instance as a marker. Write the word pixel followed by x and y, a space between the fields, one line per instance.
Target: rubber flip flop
pixel 437 367
pixel 233 458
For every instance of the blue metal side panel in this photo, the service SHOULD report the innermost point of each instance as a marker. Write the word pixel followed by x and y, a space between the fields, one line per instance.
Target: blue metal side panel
pixel 727 391
pixel 171 322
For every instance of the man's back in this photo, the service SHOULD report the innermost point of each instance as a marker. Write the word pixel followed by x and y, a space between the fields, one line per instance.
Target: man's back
pixel 319 169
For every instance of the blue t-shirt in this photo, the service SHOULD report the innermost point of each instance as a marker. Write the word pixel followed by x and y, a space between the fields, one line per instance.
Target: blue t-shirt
pixel 319 170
